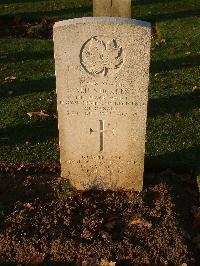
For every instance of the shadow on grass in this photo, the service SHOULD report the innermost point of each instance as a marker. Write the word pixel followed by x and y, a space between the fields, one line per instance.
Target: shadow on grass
pixel 65 12
pixel 177 63
pixel 87 10
pixel 170 16
pixel 29 86
pixel 174 104
pixel 17 1
pixel 145 2
pixel 34 133
pixel 24 56
pixel 134 2
pixel 180 161
pixel 47 84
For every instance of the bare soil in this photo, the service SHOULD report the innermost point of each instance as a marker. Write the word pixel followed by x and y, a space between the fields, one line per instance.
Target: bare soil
pixel 44 222
pixel 17 26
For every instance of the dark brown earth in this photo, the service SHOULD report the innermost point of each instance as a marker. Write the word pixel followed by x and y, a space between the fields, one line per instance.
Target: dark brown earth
pixel 34 28
pixel 17 26
pixel 43 222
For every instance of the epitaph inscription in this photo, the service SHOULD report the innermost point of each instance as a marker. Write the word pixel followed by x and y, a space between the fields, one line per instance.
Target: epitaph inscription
pixel 102 69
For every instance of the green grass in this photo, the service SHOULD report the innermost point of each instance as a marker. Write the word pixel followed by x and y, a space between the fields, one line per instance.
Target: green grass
pixel 173 133
pixel 36 9
pixel 31 62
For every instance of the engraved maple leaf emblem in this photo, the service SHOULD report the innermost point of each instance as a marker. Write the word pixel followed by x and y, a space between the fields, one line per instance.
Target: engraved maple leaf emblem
pixel 99 57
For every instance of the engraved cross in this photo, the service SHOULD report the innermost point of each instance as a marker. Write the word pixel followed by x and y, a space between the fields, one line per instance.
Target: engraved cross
pixel 102 131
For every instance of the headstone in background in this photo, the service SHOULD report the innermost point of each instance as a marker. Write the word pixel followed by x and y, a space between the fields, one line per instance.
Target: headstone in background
pixel 102 73
pixel 112 8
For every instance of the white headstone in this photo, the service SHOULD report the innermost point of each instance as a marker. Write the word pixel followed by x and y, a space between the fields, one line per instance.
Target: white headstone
pixel 112 8
pixel 102 74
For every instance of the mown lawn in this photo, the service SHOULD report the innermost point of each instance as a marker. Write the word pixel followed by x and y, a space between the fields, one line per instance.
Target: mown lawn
pixel 27 82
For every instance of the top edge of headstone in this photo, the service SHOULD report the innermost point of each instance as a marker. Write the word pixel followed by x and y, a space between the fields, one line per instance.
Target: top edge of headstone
pixel 116 20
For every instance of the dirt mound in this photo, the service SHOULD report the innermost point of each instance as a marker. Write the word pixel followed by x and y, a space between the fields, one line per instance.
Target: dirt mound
pixel 46 223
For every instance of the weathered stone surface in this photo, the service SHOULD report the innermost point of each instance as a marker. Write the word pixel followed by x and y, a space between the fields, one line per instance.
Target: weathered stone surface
pixel 112 8
pixel 102 73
